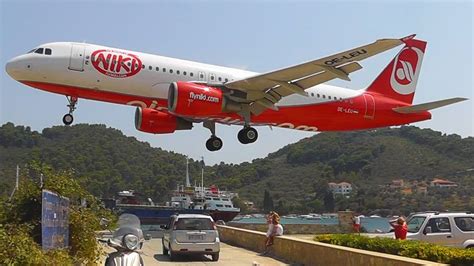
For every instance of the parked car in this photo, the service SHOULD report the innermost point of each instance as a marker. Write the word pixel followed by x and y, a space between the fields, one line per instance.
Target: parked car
pixel 454 229
pixel 191 234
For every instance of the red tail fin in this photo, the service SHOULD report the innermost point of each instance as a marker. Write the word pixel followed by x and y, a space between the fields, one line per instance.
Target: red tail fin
pixel 398 80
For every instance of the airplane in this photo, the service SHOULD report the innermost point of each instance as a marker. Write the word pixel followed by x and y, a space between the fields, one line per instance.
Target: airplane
pixel 172 94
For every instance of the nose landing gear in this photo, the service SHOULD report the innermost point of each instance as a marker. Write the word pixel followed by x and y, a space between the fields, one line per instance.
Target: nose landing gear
pixel 68 118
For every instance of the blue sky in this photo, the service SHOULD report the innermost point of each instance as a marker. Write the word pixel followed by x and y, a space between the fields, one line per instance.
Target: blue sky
pixel 254 35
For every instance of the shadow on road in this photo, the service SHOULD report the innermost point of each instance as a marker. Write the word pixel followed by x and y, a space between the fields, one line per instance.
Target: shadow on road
pixel 182 258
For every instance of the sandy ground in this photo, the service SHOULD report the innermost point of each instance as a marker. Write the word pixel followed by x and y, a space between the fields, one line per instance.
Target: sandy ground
pixel 152 254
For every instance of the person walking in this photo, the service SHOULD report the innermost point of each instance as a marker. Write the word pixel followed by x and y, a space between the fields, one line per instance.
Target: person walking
pixel 400 228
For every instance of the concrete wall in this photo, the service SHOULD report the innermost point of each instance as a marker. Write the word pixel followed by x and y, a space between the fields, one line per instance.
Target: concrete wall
pixel 344 226
pixel 297 228
pixel 312 252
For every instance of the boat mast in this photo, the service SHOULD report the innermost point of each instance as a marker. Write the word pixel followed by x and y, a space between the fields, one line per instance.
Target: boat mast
pixel 202 175
pixel 188 183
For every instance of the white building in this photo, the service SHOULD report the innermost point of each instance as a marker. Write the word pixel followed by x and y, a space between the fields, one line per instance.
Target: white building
pixel 437 182
pixel 342 188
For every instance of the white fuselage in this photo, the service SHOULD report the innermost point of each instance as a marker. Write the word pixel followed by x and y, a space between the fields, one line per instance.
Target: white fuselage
pixel 70 64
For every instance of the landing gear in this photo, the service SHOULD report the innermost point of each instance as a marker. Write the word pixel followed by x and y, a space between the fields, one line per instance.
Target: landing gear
pixel 213 143
pixel 68 118
pixel 247 135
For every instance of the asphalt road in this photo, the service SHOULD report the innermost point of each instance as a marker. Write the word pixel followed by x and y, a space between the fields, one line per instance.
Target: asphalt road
pixel 152 254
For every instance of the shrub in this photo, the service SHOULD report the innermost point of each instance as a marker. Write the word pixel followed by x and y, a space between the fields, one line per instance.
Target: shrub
pixel 20 227
pixel 409 248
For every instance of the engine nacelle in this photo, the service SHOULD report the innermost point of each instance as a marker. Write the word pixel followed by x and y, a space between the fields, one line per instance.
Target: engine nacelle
pixel 153 121
pixel 190 99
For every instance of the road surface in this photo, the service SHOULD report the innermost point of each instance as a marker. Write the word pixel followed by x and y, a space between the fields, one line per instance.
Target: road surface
pixel 152 254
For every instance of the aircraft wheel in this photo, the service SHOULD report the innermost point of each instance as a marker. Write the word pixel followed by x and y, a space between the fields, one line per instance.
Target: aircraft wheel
pixel 214 143
pixel 247 135
pixel 68 119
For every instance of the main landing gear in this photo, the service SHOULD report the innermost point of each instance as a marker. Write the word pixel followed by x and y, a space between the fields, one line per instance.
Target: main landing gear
pixel 68 118
pixel 246 135
pixel 213 143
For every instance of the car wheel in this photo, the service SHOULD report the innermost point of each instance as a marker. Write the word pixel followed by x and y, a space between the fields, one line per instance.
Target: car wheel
pixel 172 255
pixel 215 257
pixel 165 250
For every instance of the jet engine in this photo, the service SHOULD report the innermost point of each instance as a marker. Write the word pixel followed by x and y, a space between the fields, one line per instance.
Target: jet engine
pixel 190 99
pixel 153 121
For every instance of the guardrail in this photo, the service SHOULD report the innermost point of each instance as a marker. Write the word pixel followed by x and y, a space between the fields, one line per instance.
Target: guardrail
pixel 311 252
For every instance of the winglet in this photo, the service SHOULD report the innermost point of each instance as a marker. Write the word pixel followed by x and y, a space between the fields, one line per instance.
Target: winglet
pixel 409 37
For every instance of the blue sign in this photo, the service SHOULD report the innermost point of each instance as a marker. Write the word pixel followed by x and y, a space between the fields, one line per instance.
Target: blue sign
pixel 54 220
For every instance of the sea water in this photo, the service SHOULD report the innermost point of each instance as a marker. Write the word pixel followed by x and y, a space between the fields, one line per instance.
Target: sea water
pixel 371 225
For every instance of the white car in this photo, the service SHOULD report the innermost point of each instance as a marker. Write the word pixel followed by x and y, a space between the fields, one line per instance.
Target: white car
pixel 454 229
pixel 191 234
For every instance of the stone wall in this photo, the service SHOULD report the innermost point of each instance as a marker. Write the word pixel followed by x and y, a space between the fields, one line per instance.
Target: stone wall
pixel 292 229
pixel 344 226
pixel 298 251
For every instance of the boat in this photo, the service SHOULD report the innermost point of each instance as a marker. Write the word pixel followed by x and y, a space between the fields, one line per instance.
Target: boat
pixel 186 199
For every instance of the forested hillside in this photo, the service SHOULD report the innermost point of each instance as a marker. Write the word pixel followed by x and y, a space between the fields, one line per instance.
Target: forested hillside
pixel 106 161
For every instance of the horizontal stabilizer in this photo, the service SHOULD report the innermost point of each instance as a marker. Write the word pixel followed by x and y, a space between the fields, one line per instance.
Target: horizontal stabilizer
pixel 426 106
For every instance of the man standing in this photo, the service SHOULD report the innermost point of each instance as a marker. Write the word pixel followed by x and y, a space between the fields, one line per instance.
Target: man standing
pixel 356 223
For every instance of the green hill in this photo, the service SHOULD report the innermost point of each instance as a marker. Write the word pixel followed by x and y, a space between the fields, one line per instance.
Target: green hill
pixel 106 161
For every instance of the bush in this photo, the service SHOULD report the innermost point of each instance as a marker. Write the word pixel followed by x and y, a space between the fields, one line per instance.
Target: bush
pixel 20 227
pixel 409 248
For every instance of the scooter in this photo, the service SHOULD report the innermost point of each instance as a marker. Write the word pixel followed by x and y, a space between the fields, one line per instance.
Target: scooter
pixel 127 240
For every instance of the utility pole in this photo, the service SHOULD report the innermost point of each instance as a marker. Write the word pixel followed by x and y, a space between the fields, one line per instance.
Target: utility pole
pixel 16 182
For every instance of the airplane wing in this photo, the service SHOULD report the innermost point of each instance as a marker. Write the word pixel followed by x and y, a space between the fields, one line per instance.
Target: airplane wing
pixel 265 90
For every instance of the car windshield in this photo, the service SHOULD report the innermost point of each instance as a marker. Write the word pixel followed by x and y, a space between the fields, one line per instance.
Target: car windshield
pixel 415 223
pixel 194 224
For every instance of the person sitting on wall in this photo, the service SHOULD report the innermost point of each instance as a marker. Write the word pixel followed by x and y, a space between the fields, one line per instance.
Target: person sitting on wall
pixel 400 228
pixel 274 229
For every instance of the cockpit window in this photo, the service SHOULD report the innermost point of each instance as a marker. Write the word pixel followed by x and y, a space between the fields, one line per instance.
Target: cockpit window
pixel 31 51
pixel 39 51
pixel 47 51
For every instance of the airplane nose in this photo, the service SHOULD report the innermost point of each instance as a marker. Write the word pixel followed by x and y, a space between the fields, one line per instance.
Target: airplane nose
pixel 12 67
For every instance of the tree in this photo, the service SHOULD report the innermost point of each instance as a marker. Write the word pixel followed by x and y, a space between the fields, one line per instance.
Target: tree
pixel 328 199
pixel 267 201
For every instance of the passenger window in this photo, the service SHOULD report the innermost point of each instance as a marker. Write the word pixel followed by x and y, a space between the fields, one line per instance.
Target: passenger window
pixel 171 71
pixel 39 51
pixel 312 94
pixel 184 73
pixel 143 66
pixel 438 225
pixel 191 74
pixel 226 79
pixel 164 69
pixel 324 96
pixel 212 77
pixel 465 223
pixel 177 72
pixel 201 76
pixel 150 67
pixel 48 52
pixel 157 69
pixel 318 95
pixel 220 79
pixel 329 97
